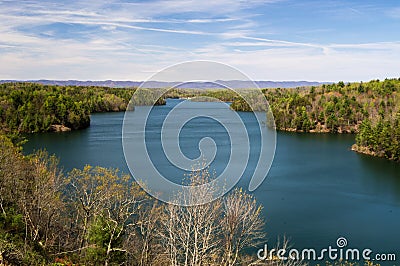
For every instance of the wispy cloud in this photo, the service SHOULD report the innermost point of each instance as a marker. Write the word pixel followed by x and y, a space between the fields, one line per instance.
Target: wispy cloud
pixel 127 40
pixel 394 12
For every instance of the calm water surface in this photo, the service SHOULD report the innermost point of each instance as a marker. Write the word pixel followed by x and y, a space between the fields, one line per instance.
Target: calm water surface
pixel 316 191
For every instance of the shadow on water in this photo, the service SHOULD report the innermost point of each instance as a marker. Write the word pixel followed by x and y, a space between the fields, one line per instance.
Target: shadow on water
pixel 381 176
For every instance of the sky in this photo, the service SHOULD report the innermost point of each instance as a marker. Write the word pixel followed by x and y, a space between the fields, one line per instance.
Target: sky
pixel 277 40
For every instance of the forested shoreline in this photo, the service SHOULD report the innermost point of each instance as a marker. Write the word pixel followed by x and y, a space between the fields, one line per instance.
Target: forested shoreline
pixel 371 110
pixel 30 107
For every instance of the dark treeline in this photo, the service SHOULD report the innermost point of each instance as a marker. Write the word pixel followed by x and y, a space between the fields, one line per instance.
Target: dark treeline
pixel 29 107
pixel 380 139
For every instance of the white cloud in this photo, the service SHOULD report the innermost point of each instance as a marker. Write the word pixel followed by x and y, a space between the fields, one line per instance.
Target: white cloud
pixel 104 59
pixel 117 48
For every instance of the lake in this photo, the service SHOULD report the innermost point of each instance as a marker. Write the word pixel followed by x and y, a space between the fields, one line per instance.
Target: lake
pixel 316 191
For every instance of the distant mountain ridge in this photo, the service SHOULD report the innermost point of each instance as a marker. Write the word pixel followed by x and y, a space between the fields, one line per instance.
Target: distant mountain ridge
pixel 162 84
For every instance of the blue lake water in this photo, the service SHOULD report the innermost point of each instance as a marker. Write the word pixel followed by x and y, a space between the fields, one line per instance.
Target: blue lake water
pixel 316 191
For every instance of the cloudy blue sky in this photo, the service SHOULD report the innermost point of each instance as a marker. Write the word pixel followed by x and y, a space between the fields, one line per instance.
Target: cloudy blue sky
pixel 327 40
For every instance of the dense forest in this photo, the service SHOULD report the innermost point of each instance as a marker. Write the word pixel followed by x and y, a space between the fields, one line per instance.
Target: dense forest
pixel 337 107
pixel 380 139
pixel 369 109
pixel 29 107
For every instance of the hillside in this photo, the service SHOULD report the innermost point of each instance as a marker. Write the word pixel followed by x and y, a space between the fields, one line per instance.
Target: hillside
pixel 30 107
pixel 371 109
pixel 161 84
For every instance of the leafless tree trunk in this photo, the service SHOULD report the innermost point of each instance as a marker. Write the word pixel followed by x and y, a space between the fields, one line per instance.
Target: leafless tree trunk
pixel 143 241
pixel 214 233
pixel 192 233
pixel 242 224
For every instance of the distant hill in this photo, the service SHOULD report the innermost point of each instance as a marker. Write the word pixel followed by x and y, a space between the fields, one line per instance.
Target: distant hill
pixel 160 84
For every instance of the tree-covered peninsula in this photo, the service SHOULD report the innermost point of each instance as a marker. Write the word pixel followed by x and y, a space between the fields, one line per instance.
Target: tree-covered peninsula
pixel 371 109
pixel 30 107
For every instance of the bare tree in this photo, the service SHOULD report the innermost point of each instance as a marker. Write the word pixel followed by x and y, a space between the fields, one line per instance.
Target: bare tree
pixel 242 224
pixel 120 213
pixel 12 169
pixel 41 200
pixel 113 217
pixel 192 233
pixel 143 239
pixel 88 192
pixel 29 187
pixel 214 233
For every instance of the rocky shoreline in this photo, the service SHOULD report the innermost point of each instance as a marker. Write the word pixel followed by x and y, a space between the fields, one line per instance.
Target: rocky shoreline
pixel 323 129
pixel 367 151
pixel 59 128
